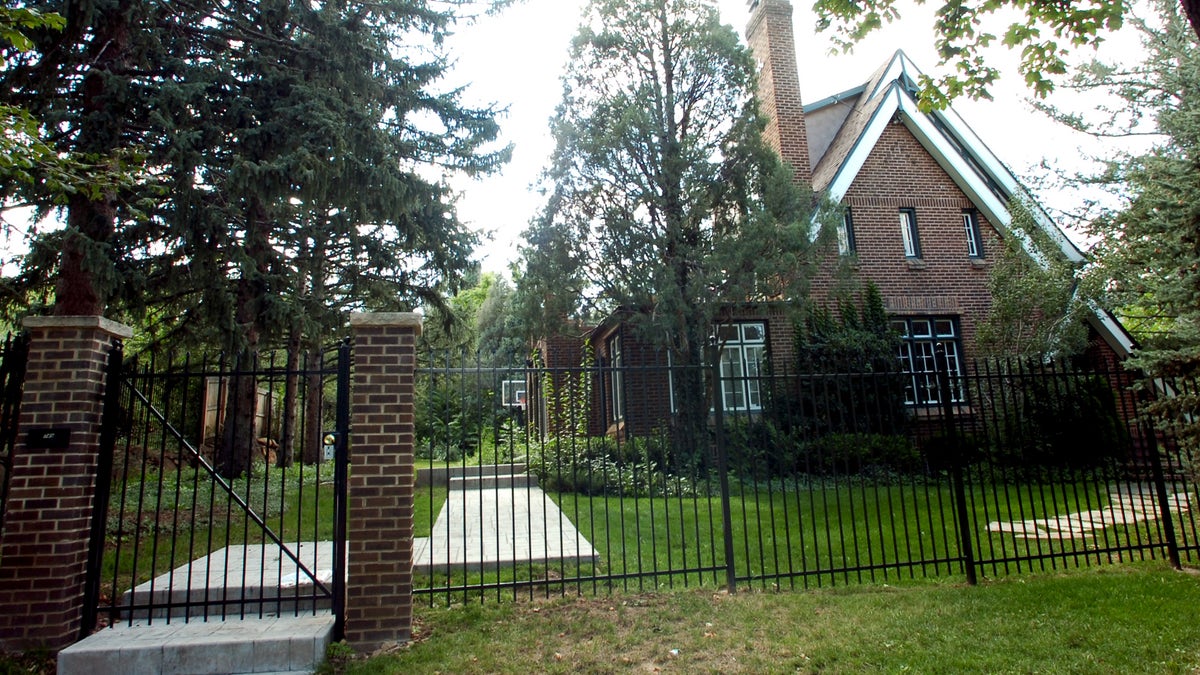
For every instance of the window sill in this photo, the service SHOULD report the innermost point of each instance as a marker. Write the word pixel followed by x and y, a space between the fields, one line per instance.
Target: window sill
pixel 979 263
pixel 934 411
pixel 915 263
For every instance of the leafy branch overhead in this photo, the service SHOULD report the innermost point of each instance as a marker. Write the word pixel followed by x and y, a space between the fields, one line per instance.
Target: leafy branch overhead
pixel 1045 34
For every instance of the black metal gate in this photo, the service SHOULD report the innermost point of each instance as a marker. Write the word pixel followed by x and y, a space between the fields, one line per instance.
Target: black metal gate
pixel 14 353
pixel 222 489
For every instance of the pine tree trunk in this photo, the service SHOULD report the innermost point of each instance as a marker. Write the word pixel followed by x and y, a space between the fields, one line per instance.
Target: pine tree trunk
pixel 1192 9
pixel 313 396
pixel 235 458
pixel 287 441
pixel 92 221
pixel 235 451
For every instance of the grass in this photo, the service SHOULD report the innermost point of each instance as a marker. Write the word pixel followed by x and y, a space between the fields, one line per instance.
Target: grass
pixel 1136 618
pixel 184 516
pixel 823 533
pixel 194 517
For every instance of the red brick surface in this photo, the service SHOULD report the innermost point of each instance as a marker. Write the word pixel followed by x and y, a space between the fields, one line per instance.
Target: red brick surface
pixel 771 40
pixel 380 549
pixel 44 549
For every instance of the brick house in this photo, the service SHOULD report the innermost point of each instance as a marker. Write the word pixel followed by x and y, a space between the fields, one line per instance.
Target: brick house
pixel 926 214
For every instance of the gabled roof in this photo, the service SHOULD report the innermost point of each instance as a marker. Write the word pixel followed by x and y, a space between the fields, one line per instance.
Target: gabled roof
pixel 890 94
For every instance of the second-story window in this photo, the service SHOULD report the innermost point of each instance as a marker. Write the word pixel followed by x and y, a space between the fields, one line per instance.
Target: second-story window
pixel 908 232
pixel 974 237
pixel 845 234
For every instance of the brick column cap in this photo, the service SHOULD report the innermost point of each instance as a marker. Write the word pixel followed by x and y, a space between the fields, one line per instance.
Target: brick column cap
pixel 113 328
pixel 387 320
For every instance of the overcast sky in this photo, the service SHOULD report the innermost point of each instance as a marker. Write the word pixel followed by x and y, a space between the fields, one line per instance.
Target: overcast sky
pixel 516 60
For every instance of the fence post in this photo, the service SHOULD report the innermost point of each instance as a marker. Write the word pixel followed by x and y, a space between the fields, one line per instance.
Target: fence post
pixel 341 473
pixel 956 469
pixel 1160 488
pixel 44 547
pixel 104 469
pixel 714 360
pixel 379 582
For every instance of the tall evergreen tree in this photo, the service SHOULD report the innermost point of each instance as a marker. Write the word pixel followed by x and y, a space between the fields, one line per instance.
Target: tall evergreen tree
pixel 663 194
pixel 271 128
pixel 1148 244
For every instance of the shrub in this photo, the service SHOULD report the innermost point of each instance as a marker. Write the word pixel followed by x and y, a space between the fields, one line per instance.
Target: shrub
pixel 598 466
pixel 1056 423
pixel 863 454
pixel 760 450
pixel 450 421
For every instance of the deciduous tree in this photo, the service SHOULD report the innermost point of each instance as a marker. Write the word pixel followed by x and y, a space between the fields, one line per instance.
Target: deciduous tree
pixel 1148 243
pixel 1044 32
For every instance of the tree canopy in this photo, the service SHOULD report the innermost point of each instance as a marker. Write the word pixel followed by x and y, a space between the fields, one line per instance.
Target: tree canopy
pixel 664 201
pixel 1037 311
pixel 293 153
pixel 662 197
pixel 1148 241
pixel 1044 32
pixel 1147 249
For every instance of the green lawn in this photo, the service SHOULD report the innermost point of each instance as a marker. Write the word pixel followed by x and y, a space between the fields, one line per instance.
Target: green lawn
pixel 158 521
pixel 1134 618
pixel 799 534
pixel 823 533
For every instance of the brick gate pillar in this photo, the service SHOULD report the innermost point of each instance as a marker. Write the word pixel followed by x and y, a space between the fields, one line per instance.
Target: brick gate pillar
pixel 44 548
pixel 380 533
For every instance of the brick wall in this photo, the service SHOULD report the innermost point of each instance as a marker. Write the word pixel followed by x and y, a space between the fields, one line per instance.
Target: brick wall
pixel 381 487
pixel 944 281
pixel 44 550
pixel 561 356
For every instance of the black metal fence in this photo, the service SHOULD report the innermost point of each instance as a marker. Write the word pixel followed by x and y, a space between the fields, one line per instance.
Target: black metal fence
pixel 14 354
pixel 222 488
pixel 805 480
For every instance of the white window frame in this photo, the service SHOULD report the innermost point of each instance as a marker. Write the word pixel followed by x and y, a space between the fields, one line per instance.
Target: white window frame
pixel 845 234
pixel 743 351
pixel 919 338
pixel 909 233
pixel 974 237
pixel 616 378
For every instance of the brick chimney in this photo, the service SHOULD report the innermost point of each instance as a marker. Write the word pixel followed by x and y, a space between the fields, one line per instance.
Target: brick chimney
pixel 770 36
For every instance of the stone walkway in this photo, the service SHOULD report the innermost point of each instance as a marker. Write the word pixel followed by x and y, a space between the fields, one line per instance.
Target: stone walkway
pixel 486 523
pixel 1125 508
pixel 497 527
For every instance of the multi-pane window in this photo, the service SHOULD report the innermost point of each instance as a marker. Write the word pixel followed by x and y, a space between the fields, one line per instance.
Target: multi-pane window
pixel 743 348
pixel 845 234
pixel 743 352
pixel 908 232
pixel 974 237
pixel 919 342
pixel 616 378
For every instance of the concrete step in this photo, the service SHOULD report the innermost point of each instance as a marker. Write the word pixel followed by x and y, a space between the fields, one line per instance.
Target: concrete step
pixel 442 475
pixel 269 645
pixel 523 480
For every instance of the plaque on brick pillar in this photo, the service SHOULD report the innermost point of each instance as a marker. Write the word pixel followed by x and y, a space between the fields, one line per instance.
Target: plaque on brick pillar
pixel 52 485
